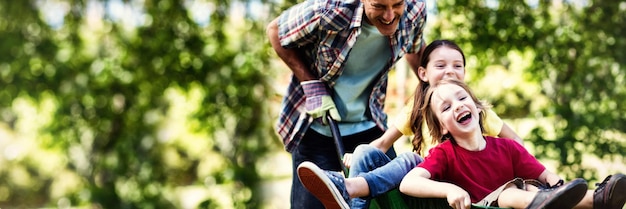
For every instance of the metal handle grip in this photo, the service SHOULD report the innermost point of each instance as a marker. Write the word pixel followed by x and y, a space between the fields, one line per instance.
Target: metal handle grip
pixel 334 129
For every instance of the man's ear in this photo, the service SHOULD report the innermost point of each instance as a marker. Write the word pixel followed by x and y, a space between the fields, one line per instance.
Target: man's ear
pixel 421 73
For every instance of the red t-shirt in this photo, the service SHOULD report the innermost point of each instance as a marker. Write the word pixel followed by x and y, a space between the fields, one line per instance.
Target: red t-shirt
pixel 481 172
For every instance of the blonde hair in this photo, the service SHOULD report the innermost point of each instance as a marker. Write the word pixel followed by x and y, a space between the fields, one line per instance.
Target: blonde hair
pixel 420 92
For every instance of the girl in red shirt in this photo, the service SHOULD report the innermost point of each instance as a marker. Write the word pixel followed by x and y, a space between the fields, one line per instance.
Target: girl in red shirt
pixel 470 168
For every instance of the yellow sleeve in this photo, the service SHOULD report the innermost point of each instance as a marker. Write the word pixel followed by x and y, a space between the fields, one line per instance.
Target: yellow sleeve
pixel 492 123
pixel 403 119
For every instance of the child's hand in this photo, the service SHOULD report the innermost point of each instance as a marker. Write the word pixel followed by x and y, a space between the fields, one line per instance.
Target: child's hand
pixel 459 198
pixel 347 159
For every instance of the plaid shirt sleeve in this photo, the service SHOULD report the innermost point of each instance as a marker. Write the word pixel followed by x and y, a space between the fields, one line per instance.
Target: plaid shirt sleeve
pixel 298 25
pixel 417 15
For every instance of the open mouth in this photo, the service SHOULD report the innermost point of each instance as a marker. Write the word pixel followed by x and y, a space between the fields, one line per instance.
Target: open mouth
pixel 464 117
pixel 386 22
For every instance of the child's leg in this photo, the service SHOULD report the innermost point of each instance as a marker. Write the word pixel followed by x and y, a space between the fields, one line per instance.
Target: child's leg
pixel 380 173
pixel 388 176
pixel 513 197
pixel 364 159
pixel 367 158
pixel 566 196
pixel 357 187
pixel 377 174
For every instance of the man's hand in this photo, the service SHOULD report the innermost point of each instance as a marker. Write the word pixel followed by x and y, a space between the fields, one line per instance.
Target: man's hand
pixel 318 101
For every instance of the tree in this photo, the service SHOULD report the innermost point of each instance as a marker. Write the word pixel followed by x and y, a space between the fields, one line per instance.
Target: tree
pixel 113 84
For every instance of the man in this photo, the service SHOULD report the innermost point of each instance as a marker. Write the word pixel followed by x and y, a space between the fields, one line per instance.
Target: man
pixel 340 53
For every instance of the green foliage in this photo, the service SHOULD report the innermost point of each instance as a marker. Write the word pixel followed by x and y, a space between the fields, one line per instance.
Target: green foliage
pixel 575 59
pixel 100 110
pixel 113 88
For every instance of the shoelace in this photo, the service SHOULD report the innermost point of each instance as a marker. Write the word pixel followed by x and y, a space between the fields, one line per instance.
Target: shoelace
pixel 604 182
pixel 600 186
pixel 551 187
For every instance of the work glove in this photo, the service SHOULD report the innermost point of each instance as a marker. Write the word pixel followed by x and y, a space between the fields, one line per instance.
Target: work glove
pixel 318 101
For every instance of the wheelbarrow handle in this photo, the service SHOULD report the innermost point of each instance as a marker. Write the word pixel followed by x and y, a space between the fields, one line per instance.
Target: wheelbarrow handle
pixel 334 129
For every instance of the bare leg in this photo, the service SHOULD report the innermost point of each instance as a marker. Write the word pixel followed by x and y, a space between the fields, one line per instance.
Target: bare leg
pixel 587 201
pixel 515 198
pixel 357 187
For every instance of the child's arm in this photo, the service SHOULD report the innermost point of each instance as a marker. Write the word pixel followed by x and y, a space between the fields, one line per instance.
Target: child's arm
pixel 549 177
pixel 495 126
pixel 387 139
pixel 417 183
pixel 507 132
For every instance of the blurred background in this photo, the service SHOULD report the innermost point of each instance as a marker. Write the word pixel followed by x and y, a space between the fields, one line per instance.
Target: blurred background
pixel 172 103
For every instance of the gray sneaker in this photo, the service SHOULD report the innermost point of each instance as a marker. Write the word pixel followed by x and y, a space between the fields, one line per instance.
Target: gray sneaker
pixel 327 186
pixel 560 196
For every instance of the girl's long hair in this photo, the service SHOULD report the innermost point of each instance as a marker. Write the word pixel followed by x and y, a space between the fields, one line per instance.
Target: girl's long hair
pixel 417 117
pixel 433 123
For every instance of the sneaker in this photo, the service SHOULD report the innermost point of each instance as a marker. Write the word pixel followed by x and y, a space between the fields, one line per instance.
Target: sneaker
pixel 560 196
pixel 327 186
pixel 611 193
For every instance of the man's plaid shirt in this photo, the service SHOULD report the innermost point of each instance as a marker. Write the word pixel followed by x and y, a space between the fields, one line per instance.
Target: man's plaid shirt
pixel 325 31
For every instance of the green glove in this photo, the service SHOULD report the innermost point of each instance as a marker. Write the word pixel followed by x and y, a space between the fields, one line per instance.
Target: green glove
pixel 318 101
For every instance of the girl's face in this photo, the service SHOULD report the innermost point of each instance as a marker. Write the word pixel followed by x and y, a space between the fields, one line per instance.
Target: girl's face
pixel 456 110
pixel 384 14
pixel 444 62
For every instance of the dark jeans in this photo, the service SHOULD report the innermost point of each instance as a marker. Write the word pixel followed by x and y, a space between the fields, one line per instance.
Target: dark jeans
pixel 320 150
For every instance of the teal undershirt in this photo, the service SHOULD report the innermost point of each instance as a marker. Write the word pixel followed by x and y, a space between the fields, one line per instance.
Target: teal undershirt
pixel 352 89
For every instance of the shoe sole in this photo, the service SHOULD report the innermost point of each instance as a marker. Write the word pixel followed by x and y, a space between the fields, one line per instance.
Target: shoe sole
pixel 316 181
pixel 618 195
pixel 568 198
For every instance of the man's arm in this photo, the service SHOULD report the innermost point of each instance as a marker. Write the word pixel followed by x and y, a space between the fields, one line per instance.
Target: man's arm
pixel 291 57
pixel 318 100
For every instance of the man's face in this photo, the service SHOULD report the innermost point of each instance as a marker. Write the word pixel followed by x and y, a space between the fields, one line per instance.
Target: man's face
pixel 384 14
